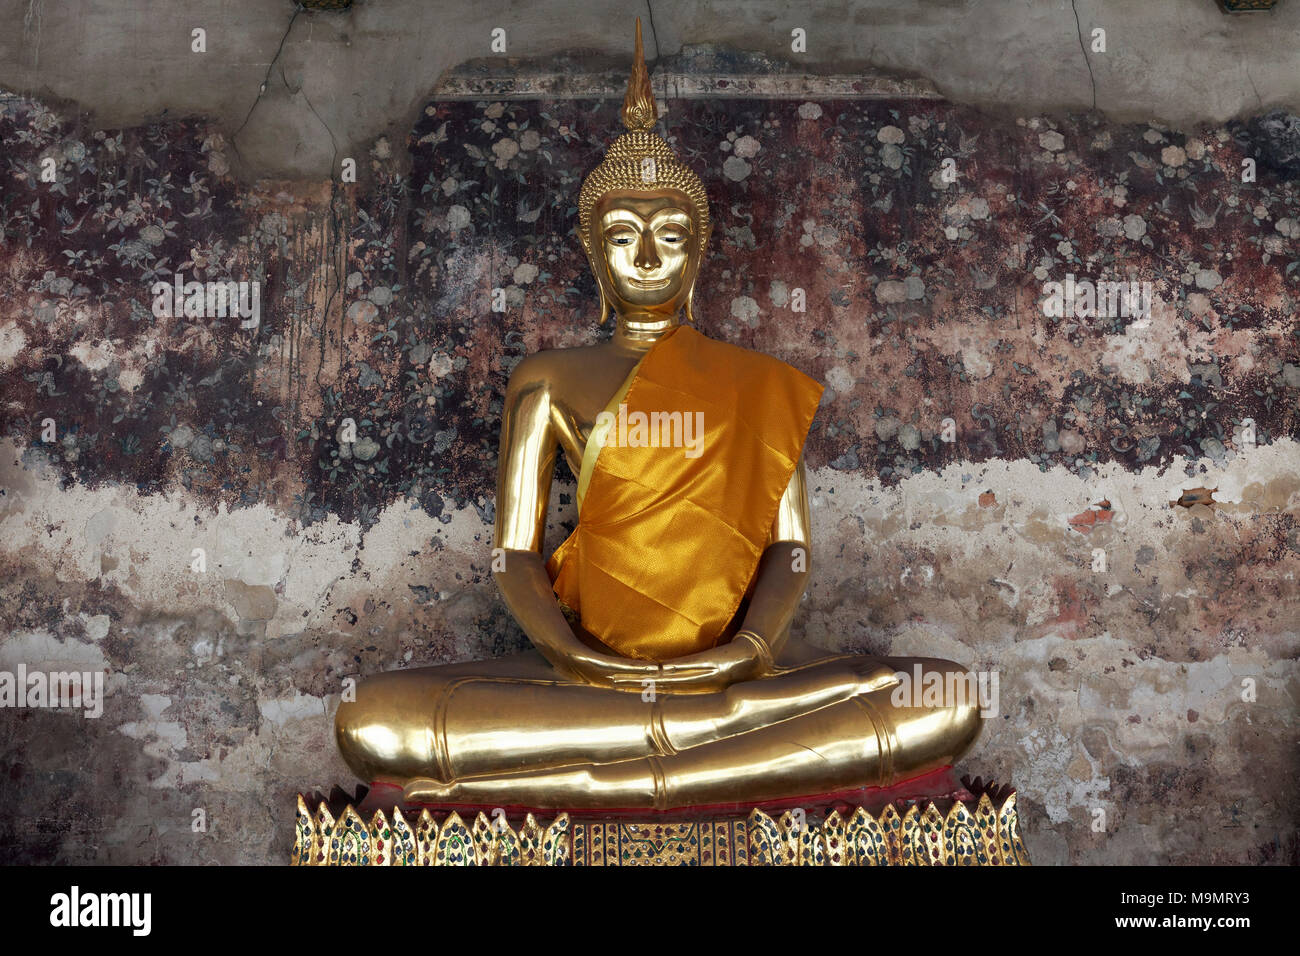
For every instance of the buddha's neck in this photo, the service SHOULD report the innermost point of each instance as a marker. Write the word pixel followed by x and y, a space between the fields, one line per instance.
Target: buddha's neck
pixel 637 333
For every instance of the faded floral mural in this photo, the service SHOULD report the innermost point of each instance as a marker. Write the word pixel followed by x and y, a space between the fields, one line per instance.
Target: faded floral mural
pixel 922 294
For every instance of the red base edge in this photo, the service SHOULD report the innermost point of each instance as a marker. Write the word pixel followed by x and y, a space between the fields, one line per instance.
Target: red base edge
pixel 939 785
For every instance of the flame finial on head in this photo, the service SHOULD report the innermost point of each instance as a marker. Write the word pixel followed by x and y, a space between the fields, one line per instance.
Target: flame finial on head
pixel 639 112
pixel 639 159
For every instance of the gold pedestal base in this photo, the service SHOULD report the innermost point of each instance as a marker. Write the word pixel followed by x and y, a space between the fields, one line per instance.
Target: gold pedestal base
pixel 970 833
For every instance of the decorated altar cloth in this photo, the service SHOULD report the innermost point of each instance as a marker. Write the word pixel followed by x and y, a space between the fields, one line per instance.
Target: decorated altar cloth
pixel 927 821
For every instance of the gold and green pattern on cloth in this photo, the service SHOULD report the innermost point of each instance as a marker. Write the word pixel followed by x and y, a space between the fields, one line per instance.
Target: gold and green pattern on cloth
pixel 970 833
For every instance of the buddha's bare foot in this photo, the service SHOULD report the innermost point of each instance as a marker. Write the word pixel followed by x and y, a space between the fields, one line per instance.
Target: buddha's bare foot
pixel 876 673
pixel 865 675
pixel 427 790
pixel 628 783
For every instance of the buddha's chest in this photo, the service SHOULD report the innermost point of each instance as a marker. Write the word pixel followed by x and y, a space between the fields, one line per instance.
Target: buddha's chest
pixel 576 404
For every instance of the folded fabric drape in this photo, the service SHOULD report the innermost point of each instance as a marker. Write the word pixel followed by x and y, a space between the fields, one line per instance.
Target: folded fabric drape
pixel 678 497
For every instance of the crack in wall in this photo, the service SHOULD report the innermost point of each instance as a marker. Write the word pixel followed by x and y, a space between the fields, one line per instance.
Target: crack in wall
pixel 302 91
pixel 34 15
pixel 653 33
pixel 1084 49
pixel 261 90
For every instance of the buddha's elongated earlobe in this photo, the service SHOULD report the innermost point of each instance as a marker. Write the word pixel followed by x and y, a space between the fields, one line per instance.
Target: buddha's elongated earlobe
pixel 690 296
pixel 604 305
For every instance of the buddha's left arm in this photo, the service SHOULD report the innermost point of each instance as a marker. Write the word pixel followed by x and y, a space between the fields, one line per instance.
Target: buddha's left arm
pixel 784 567
pixel 778 587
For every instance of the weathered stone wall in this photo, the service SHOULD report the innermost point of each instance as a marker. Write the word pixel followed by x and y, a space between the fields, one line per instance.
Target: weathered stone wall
pixel 296 89
pixel 1078 440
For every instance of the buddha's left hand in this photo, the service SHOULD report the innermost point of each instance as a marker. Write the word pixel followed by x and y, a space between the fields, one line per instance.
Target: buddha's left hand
pixel 713 670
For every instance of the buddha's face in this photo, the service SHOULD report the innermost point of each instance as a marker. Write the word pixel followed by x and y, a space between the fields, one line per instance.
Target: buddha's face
pixel 645 250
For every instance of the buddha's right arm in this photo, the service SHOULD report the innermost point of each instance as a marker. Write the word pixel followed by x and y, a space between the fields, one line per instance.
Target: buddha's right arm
pixel 525 466
pixel 526 462
pixel 526 588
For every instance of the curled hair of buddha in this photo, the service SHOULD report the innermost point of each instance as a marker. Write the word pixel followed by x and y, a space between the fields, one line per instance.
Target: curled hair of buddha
pixel 639 160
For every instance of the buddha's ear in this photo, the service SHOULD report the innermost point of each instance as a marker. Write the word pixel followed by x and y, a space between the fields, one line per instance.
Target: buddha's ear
pixel 604 304
pixel 699 264
pixel 595 274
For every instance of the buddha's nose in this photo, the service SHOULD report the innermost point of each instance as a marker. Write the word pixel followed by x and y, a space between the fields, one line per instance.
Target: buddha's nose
pixel 646 257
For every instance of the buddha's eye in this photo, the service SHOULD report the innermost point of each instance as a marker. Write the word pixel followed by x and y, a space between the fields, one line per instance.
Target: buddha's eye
pixel 673 237
pixel 620 238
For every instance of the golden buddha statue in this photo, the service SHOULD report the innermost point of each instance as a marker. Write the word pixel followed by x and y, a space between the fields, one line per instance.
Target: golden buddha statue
pixel 664 674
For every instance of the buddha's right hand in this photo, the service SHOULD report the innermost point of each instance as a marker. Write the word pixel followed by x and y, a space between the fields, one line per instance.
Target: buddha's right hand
pixel 628 674
pixel 702 673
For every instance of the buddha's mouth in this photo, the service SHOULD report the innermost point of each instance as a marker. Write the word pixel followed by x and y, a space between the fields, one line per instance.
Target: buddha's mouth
pixel 649 283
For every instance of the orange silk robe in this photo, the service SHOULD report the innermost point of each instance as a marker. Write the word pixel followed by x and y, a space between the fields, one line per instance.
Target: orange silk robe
pixel 667 544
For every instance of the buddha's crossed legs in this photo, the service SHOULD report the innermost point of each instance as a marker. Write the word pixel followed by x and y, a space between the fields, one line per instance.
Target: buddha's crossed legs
pixel 817 726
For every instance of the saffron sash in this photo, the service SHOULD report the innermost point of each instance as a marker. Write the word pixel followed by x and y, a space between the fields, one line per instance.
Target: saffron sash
pixel 667 544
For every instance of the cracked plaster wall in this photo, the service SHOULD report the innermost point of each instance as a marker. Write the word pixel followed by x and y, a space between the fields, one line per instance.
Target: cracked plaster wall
pixel 335 81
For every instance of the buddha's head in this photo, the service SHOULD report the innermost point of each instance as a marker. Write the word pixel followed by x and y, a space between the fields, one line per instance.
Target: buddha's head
pixel 643 217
